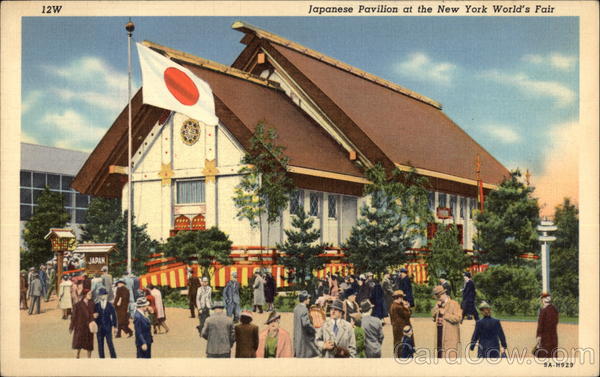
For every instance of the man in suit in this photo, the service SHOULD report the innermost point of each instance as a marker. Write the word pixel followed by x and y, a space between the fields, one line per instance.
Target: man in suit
pixel 373 330
pixel 43 279
pixel 489 334
pixel 336 337
pixel 219 333
pixel 203 302
pixel 143 333
pixel 35 292
pixel 304 331
pixel 231 295
pixel 51 280
pixel 468 299
pixel 193 285
pixel 107 282
pixel 107 323
pixel 405 286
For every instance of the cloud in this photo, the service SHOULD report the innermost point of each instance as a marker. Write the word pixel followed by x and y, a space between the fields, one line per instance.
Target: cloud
pixel 555 60
pixel 91 70
pixel 420 66
pixel 106 100
pixel 559 175
pixel 30 100
pixel 503 133
pixel 561 94
pixel 27 138
pixel 72 126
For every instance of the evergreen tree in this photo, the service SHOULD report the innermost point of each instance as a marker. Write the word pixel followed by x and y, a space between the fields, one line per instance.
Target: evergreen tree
pixel 105 223
pixel 49 213
pixel 564 258
pixel 206 246
pixel 447 257
pixel 265 187
pixel 302 249
pixel 396 216
pixel 507 226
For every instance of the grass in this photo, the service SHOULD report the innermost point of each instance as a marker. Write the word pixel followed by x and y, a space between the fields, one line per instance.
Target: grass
pixel 513 317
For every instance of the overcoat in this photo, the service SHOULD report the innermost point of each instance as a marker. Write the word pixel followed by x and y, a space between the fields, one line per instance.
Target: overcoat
pixel 488 332
pixel 107 281
pixel 373 335
pixel 388 291
pixel 468 298
pixel 143 333
pixel 64 294
pixel 36 288
pixel 344 338
pixel 259 291
pixel 451 330
pixel 546 329
pixel 399 317
pixel 304 333
pixel 219 332
pixel 122 305
pixel 231 296
pixel 377 299
pixel 406 287
pixel 269 289
pixel 193 284
pixel 158 302
pixel 83 314
pixel 284 344
pixel 246 340
pixel 107 317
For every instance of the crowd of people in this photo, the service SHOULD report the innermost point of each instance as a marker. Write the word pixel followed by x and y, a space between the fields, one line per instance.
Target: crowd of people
pixel 343 317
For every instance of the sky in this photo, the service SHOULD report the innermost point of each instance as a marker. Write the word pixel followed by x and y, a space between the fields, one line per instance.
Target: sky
pixel 511 83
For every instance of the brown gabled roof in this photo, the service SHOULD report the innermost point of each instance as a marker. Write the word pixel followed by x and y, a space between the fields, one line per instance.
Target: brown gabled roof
pixel 241 102
pixel 387 124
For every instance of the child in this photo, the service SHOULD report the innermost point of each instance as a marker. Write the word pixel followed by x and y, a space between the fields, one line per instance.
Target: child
pixel 359 334
pixel 407 347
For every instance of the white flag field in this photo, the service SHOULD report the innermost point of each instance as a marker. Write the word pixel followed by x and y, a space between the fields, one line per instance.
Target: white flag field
pixel 170 86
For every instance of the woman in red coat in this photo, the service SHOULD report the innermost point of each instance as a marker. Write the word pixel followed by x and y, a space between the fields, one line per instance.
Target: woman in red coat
pixel 547 337
pixel 83 315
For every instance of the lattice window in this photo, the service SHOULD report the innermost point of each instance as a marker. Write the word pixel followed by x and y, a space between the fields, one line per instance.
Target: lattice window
pixel 453 205
pixel 462 207
pixel 431 200
pixel 314 203
pixel 296 201
pixel 189 192
pixel 442 200
pixel 332 207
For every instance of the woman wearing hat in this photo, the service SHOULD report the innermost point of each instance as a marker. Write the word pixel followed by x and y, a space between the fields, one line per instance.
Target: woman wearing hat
pixel 399 317
pixel 83 315
pixel 274 341
pixel 546 335
pixel 122 298
pixel 246 336
pixel 151 309
pixel 64 296
pixel 350 304
pixel 143 335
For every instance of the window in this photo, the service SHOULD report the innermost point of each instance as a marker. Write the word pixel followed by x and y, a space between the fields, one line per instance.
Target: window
pixel 25 196
pixel 66 182
pixel 431 200
pixel 80 216
pixel 25 178
pixel 453 205
pixel 296 201
pixel 25 212
pixel 314 204
pixel 442 200
pixel 39 180
pixel 67 199
pixel 472 203
pixel 462 207
pixel 81 200
pixel 332 207
pixel 36 195
pixel 53 181
pixel 189 192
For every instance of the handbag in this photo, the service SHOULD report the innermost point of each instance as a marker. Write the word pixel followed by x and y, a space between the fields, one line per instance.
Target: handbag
pixel 93 327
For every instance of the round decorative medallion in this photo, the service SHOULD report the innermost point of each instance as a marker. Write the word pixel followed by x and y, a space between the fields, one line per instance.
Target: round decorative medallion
pixel 190 132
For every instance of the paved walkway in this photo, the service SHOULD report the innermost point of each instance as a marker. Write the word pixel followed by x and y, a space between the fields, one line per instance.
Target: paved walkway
pixel 47 336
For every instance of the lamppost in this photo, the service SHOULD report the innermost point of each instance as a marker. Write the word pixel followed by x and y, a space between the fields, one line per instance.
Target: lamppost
pixel 545 227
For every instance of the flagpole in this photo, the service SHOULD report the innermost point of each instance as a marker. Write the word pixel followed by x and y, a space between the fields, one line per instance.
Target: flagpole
pixel 130 27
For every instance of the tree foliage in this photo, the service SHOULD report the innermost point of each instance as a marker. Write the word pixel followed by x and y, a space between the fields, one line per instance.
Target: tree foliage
pixel 397 215
pixel 447 257
pixel 564 258
pixel 302 248
pixel 510 289
pixel 105 223
pixel 206 246
pixel 49 213
pixel 265 185
pixel 507 226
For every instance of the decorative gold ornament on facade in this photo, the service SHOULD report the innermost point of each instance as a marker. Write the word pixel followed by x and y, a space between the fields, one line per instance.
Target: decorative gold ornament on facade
pixel 190 131
pixel 166 173
pixel 210 170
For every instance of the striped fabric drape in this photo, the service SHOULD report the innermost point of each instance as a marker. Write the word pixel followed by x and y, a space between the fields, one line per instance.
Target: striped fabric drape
pixel 190 191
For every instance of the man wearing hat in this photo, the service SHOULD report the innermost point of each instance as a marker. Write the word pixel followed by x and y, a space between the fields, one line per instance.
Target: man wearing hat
pixel 35 292
pixel 107 282
pixel 143 333
pixel 246 336
pixel 489 334
pixel 468 298
pixel 274 341
pixel 373 330
pixel 193 285
pixel 388 291
pixel 122 298
pixel 546 335
pixel 219 333
pixel 447 316
pixel 43 279
pixel 304 331
pixel 399 317
pixel 106 321
pixel 258 292
pixel 364 289
pixel 336 337
pixel 446 284
pixel 203 301
pixel 405 285
pixel 51 280
pixel 231 296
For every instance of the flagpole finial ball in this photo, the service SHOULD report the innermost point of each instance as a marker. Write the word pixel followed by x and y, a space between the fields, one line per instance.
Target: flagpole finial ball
pixel 130 27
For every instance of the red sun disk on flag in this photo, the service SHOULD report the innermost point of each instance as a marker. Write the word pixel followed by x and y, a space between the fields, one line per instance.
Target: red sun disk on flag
pixel 181 86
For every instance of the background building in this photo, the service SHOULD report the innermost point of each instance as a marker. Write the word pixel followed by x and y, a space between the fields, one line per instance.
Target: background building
pixel 56 168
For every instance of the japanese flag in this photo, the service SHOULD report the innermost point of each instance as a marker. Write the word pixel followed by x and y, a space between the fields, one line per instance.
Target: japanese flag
pixel 170 86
